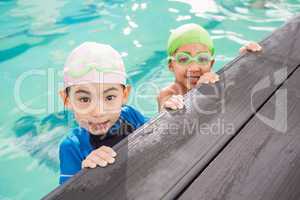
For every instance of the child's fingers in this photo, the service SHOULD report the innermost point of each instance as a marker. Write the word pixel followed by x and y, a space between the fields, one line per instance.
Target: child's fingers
pixel 211 77
pixel 180 97
pixel 203 79
pixel 258 48
pixel 108 150
pixel 243 49
pixel 170 104
pixel 174 102
pixel 253 46
pixel 99 157
pixel 98 160
pixel 215 77
pixel 88 164
pixel 105 156
pixel 177 101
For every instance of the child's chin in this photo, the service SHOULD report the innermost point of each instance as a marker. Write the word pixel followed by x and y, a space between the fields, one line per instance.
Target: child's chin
pixel 99 132
pixel 190 85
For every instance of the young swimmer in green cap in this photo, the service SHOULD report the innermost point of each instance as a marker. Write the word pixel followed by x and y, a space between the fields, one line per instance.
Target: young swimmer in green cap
pixel 95 90
pixel 191 57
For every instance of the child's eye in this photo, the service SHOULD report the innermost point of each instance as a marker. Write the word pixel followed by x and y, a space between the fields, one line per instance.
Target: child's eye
pixel 110 97
pixel 203 59
pixel 182 59
pixel 84 99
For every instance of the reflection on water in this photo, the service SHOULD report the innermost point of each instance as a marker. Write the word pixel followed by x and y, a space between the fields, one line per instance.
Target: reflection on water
pixel 41 137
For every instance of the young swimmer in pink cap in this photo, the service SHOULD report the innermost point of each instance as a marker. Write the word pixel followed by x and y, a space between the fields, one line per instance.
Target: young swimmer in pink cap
pixel 95 90
pixel 191 58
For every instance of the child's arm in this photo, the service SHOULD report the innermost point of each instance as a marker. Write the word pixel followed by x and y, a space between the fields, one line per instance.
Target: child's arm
pixel 251 47
pixel 102 156
pixel 70 160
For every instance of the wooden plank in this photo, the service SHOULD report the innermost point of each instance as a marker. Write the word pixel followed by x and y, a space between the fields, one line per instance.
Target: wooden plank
pixel 263 161
pixel 160 159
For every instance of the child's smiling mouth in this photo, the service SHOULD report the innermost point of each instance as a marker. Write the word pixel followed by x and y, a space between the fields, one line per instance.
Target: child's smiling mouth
pixel 193 79
pixel 99 127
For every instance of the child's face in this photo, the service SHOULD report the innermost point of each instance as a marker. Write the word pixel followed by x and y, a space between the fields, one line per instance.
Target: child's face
pixel 96 106
pixel 189 74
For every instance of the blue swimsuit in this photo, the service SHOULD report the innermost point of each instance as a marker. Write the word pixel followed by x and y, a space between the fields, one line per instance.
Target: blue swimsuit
pixel 80 143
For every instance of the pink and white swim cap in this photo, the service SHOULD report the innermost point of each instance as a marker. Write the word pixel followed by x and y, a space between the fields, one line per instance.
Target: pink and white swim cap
pixel 93 62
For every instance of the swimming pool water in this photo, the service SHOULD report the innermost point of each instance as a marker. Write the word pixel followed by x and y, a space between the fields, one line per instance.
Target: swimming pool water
pixel 36 36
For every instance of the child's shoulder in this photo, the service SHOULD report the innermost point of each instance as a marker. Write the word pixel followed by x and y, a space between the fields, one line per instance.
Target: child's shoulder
pixel 168 91
pixel 132 115
pixel 73 138
pixel 129 111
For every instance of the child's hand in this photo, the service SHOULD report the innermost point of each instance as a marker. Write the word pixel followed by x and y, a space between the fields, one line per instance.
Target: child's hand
pixel 175 102
pixel 102 156
pixel 251 47
pixel 207 78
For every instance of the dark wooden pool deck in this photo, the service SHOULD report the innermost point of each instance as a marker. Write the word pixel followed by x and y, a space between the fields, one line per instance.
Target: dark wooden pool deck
pixel 238 139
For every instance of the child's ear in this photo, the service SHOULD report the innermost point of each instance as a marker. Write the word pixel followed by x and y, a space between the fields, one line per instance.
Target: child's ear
pixel 126 93
pixel 171 67
pixel 212 63
pixel 65 99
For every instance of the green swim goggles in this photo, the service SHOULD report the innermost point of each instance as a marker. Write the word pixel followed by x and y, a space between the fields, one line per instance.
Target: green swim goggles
pixel 76 73
pixel 183 58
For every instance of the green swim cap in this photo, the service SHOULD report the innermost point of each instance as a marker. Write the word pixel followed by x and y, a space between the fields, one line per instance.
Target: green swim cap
pixel 189 34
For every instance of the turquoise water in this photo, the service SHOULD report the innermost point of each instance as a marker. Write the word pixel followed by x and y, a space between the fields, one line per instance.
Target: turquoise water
pixel 36 36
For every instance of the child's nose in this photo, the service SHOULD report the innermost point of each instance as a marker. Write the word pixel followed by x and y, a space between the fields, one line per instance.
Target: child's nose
pixel 98 110
pixel 194 67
